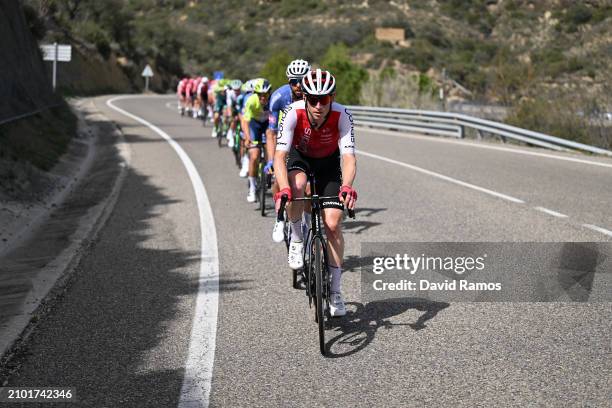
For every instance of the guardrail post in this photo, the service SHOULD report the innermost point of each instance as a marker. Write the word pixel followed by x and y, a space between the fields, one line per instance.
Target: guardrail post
pixel 480 134
pixel 461 132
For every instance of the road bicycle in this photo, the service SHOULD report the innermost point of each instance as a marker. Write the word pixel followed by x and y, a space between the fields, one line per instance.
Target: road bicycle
pixel 264 180
pixel 236 147
pixel 318 282
pixel 221 129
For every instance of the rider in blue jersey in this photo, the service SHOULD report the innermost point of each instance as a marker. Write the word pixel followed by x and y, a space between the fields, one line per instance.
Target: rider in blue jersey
pixel 280 99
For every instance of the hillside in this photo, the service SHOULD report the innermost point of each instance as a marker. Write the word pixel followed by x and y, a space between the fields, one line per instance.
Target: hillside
pixel 506 52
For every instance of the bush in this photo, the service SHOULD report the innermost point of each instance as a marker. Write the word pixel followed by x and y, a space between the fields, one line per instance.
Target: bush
pixel 391 90
pixel 35 24
pixel 558 115
pixel 275 68
pixel 349 77
pixel 95 35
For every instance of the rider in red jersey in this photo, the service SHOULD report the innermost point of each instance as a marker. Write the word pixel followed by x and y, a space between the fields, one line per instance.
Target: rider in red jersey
pixel 181 93
pixel 316 135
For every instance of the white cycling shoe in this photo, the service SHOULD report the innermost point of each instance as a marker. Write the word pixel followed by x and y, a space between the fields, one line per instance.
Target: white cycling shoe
pixel 214 134
pixel 230 142
pixel 278 232
pixel 336 305
pixel 251 196
pixel 296 261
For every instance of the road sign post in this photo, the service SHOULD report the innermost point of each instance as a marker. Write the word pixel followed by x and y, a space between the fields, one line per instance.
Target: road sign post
pixel 147 73
pixel 55 53
pixel 54 65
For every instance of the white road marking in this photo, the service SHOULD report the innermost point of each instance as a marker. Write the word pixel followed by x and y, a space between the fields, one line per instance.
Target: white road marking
pixel 443 177
pixel 199 366
pixel 598 229
pixel 174 106
pixel 486 146
pixel 551 212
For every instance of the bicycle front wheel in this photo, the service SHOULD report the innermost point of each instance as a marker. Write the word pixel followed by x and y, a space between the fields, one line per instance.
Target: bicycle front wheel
pixel 318 266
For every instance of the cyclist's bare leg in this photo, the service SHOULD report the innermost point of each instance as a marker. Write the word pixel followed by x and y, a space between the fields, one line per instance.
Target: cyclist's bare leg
pixel 332 218
pixel 253 161
pixel 297 181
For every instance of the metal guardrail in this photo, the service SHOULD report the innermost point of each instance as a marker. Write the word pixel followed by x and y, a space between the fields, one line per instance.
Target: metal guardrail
pixel 28 114
pixel 454 124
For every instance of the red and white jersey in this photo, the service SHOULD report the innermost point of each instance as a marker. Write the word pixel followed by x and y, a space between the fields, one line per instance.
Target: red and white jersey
pixel 181 86
pixel 203 88
pixel 335 133
pixel 190 87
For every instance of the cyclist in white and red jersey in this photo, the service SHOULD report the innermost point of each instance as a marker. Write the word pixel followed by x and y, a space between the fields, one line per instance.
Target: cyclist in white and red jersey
pixel 316 135
pixel 181 93
pixel 202 97
pixel 190 91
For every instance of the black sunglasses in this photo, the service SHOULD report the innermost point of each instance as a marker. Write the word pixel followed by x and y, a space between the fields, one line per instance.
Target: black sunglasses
pixel 295 82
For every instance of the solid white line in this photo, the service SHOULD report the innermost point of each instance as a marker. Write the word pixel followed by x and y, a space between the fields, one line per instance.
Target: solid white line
pixel 551 212
pixel 486 146
pixel 199 366
pixel 598 229
pixel 443 177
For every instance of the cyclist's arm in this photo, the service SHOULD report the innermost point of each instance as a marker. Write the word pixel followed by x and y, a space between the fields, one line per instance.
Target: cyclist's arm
pixel 346 144
pixel 271 134
pixel 249 109
pixel 283 145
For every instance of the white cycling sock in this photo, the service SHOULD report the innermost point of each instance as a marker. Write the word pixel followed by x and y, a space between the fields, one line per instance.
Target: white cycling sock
pixel 336 277
pixel 252 183
pixel 230 134
pixel 296 231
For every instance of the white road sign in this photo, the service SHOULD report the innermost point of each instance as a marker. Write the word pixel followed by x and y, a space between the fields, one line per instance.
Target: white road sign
pixel 148 72
pixel 64 52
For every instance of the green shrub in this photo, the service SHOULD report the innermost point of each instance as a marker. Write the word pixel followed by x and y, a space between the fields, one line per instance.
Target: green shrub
pixel 553 115
pixel 349 77
pixel 275 68
pixel 94 34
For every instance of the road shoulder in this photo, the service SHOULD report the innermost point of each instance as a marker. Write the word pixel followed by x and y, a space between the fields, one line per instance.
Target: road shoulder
pixel 36 268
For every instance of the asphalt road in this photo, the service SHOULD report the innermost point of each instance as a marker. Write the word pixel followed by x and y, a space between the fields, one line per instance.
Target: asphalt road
pixel 122 332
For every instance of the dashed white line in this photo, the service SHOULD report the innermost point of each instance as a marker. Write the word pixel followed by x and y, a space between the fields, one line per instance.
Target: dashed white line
pixel 197 382
pixel 598 229
pixel 443 177
pixel 551 212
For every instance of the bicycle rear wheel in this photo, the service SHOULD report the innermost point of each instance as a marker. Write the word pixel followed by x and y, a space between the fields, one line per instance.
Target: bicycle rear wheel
pixel 262 190
pixel 220 136
pixel 318 265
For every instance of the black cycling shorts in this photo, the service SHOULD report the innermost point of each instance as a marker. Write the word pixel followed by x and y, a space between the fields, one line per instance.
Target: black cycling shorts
pixel 327 173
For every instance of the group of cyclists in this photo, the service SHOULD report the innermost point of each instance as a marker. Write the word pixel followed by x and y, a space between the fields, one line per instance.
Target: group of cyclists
pixel 303 131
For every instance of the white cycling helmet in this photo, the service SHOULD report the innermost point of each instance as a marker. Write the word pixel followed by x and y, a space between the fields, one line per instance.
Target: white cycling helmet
pixel 318 83
pixel 297 69
pixel 204 79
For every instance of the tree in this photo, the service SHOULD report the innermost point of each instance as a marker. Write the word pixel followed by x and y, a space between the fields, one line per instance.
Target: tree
pixel 275 67
pixel 349 77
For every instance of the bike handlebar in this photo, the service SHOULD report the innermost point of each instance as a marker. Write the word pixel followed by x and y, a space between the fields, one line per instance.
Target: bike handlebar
pixel 284 199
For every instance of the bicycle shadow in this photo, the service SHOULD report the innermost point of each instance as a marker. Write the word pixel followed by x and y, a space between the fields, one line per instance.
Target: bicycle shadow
pixel 368 212
pixel 358 328
pixel 357 227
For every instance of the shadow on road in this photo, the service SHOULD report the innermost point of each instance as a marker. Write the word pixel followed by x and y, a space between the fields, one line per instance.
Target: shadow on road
pixel 355 331
pixel 107 331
